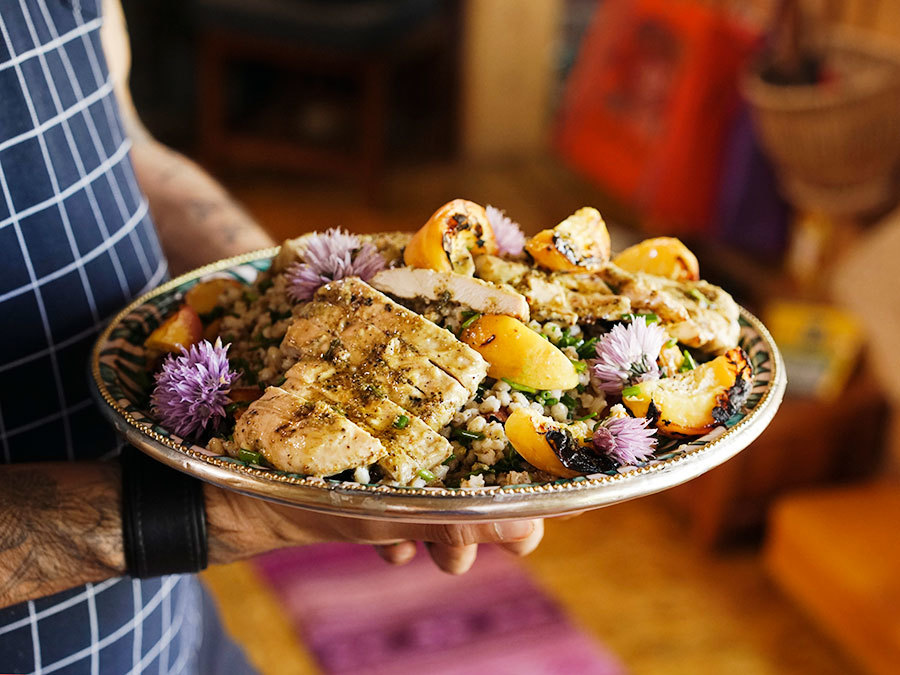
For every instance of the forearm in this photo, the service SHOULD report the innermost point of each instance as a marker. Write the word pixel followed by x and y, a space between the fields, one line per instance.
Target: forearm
pixel 196 219
pixel 60 526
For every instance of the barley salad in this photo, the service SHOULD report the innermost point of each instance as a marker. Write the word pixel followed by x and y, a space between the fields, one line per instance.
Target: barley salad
pixel 463 355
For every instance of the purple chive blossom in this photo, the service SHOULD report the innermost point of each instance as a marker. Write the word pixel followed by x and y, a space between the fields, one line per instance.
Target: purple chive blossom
pixel 510 239
pixel 330 256
pixel 625 439
pixel 627 355
pixel 192 389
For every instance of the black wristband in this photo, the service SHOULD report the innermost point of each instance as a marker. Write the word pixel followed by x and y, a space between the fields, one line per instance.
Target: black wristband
pixel 163 518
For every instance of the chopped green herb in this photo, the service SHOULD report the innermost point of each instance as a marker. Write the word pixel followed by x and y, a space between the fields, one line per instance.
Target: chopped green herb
pixel 580 366
pixel 465 436
pixel 568 340
pixel 699 297
pixel 263 341
pixel 249 456
pixel 568 401
pixel 580 388
pixel 520 387
pixel 586 417
pixel 401 422
pixel 688 363
pixel 550 401
pixel 234 406
pixel 588 349
pixel 278 316
pixel 671 342
pixel 246 372
pixel 632 391
pixel 250 296
pixel 474 316
pixel 425 475
pixel 649 317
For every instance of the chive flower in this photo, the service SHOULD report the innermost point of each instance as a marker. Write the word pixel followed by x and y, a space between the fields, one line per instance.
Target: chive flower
pixel 627 440
pixel 336 254
pixel 627 355
pixel 192 390
pixel 509 236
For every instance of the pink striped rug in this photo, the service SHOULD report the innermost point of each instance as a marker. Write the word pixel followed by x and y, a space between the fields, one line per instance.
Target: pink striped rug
pixel 357 614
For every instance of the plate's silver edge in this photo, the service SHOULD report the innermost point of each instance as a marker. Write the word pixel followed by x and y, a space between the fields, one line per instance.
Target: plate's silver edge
pixel 418 505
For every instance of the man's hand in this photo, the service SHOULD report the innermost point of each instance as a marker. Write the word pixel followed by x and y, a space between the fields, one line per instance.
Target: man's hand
pixel 241 526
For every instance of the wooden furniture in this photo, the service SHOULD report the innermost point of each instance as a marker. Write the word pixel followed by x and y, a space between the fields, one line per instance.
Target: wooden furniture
pixel 836 554
pixel 360 41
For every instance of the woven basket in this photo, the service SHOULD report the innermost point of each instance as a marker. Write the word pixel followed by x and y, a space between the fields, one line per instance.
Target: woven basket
pixel 835 145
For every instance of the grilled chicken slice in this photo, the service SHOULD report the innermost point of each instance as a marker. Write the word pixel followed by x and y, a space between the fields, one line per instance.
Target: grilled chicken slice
pixel 381 362
pixel 306 437
pixel 411 444
pixel 482 296
pixel 362 303
pixel 566 298
pixel 696 313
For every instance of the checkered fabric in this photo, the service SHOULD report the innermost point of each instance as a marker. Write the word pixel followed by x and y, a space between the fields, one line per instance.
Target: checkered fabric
pixel 76 243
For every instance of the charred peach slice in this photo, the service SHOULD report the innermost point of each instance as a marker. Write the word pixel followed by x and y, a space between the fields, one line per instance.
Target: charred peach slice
pixel 534 436
pixel 693 402
pixel 452 236
pixel 204 296
pixel 661 256
pixel 580 243
pixel 517 353
pixel 182 329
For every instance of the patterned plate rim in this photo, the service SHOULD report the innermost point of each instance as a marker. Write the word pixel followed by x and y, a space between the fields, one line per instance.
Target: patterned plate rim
pixel 431 504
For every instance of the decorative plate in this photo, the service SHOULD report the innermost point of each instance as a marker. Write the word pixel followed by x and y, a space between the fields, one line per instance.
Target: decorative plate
pixel 121 384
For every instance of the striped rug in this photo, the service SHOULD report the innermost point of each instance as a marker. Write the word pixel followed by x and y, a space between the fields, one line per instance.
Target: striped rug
pixel 355 614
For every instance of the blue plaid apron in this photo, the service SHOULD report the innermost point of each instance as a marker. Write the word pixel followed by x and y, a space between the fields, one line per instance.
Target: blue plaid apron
pixel 76 244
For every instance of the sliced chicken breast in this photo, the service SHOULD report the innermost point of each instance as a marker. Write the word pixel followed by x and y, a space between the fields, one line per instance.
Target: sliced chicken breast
pixel 696 313
pixel 378 361
pixel 566 298
pixel 411 445
pixel 482 296
pixel 366 305
pixel 305 437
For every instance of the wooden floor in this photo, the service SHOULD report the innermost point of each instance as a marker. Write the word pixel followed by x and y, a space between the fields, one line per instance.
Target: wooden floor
pixel 627 573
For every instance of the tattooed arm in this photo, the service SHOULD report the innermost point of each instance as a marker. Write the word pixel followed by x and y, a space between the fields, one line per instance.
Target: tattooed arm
pixel 196 219
pixel 60 526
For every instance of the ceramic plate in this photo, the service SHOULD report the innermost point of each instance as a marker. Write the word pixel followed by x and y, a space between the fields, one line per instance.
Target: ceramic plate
pixel 121 384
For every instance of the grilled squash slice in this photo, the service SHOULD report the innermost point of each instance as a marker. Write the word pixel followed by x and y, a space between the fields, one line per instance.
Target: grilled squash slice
pixel 580 243
pixel 452 236
pixel 691 403
pixel 661 256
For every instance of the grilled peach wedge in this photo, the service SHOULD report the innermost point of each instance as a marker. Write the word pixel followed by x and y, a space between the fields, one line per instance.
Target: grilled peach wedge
pixel 446 243
pixel 204 296
pixel 660 256
pixel 182 329
pixel 533 436
pixel 580 243
pixel 518 354
pixel 693 402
